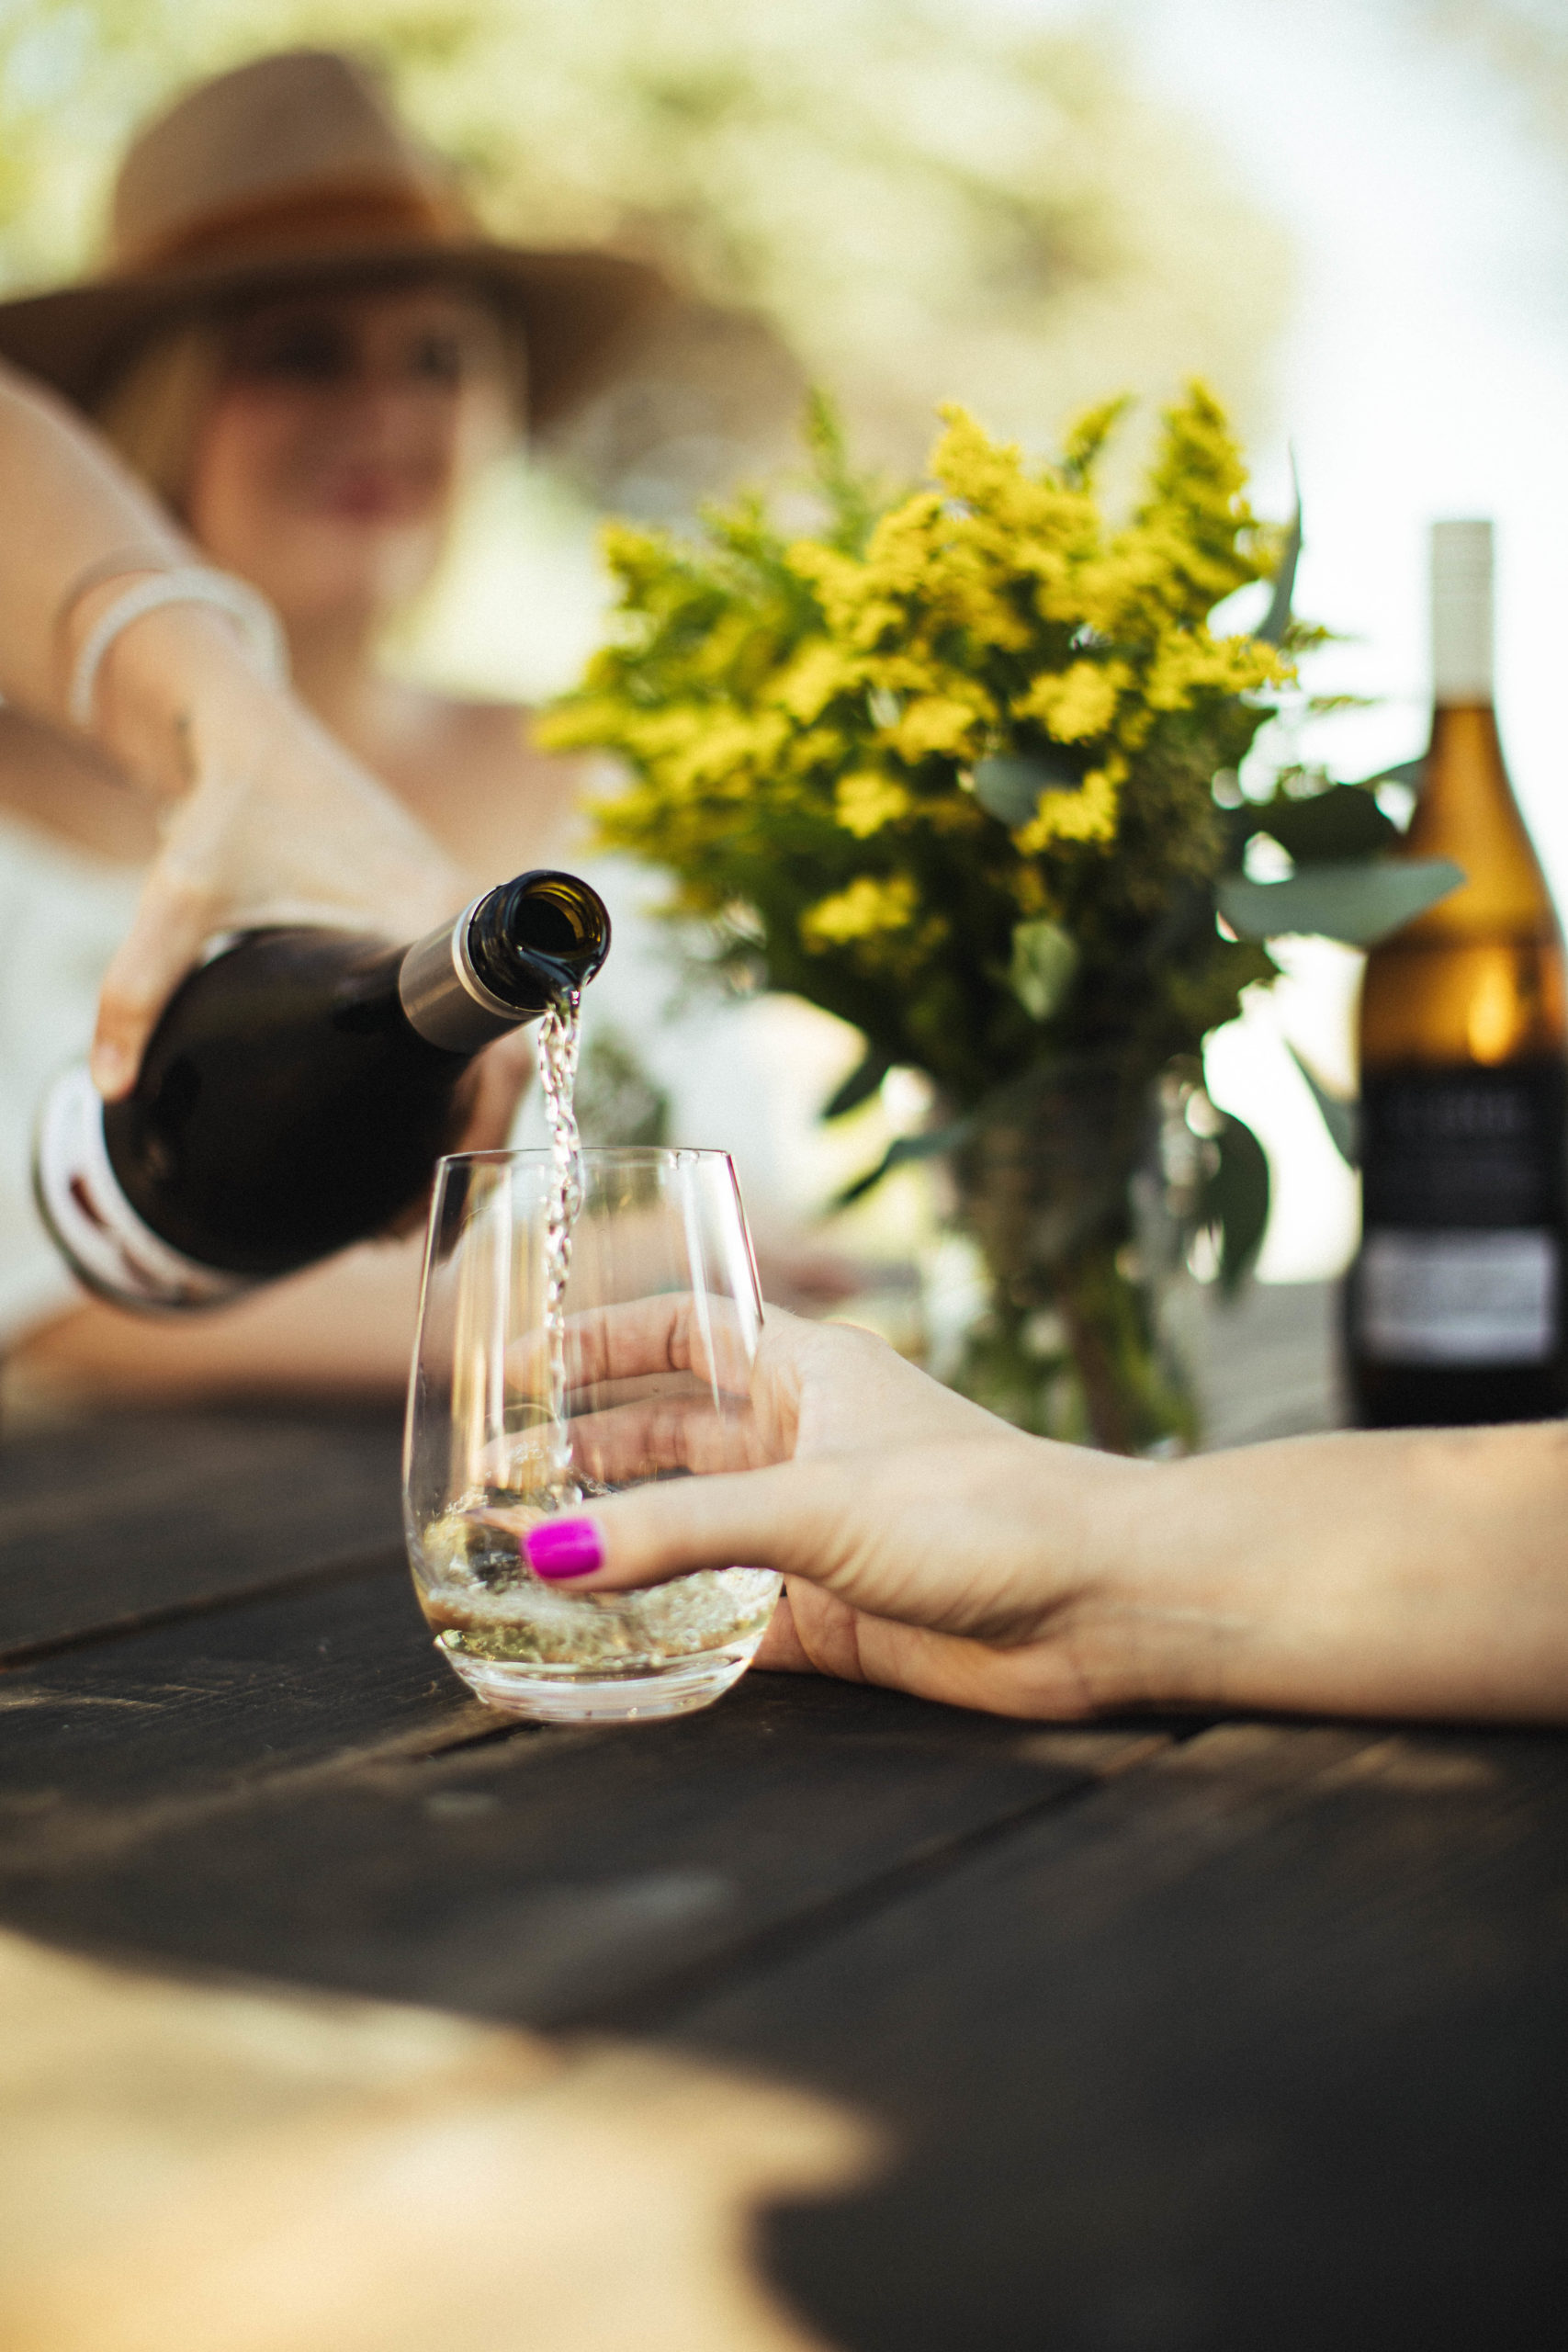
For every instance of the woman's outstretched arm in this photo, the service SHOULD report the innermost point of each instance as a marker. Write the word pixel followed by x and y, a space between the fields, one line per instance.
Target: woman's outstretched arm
pixel 264 817
pixel 930 1548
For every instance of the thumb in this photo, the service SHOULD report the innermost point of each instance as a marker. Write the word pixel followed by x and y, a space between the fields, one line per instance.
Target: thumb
pixel 173 918
pixel 792 1517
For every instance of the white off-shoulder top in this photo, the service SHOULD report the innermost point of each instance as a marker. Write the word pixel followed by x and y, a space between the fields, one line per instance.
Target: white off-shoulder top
pixel 62 914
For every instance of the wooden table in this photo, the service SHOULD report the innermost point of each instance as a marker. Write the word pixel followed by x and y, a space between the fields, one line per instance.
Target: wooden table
pixel 337 2015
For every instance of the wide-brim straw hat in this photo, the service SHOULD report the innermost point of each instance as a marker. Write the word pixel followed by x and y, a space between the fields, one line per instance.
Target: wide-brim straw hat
pixel 293 172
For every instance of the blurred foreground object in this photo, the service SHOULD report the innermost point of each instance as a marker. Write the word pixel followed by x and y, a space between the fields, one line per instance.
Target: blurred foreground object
pixel 285 2171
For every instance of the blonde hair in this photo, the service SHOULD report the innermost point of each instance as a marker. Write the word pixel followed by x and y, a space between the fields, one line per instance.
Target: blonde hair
pixel 153 410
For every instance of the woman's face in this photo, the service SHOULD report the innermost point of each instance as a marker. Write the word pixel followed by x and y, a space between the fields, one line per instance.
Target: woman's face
pixel 326 467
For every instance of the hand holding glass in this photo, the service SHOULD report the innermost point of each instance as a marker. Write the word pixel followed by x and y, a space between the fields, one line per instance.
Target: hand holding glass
pixel 499 1437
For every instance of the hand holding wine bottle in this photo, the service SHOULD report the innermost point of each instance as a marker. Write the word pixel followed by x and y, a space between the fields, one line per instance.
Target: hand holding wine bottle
pixel 272 824
pixel 265 821
pixel 298 1092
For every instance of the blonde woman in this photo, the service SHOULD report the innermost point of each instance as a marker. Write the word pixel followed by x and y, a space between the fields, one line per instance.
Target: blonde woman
pixel 261 818
pixel 303 345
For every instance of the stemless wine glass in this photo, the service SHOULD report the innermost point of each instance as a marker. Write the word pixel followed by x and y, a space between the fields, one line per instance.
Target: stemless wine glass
pixel 662 1316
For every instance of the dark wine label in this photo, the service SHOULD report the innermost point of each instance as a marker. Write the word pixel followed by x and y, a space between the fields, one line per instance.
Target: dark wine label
pixel 107 1246
pixel 1464 1208
pixel 1468 1147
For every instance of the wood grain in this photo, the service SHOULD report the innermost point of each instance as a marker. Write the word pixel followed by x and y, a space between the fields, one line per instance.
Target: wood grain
pixel 112 1523
pixel 1249 2036
pixel 1263 2044
pixel 97 1744
pixel 264 1792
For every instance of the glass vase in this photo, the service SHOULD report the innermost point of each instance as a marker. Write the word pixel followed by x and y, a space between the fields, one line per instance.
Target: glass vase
pixel 1065 1188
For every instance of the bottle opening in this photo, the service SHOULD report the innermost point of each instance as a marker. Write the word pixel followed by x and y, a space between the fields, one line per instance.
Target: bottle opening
pixel 543 928
pixel 549 921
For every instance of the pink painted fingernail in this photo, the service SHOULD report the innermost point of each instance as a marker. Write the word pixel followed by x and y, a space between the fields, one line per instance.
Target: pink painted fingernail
pixel 558 1548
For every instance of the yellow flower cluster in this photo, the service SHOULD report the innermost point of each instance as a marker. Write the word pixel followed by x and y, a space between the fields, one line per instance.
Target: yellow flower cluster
pixel 861 912
pixel 810 726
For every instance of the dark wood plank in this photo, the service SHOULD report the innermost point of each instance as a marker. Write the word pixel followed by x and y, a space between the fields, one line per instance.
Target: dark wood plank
pixel 97 1744
pixel 121 1521
pixel 1264 2045
pixel 543 1877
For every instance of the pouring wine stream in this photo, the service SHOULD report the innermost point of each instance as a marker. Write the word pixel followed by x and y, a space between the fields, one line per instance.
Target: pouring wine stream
pixel 559 1042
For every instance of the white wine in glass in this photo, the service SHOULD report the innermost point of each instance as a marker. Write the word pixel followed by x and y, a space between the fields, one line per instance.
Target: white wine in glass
pixel 646 1376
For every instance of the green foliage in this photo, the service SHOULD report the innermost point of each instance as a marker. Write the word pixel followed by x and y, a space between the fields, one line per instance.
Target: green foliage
pixel 806 724
pixel 1092 1373
pixel 1234 1200
pixel 1336 835
pixel 1358 902
pixel 1340 1115
pixel 948 768
pixel 932 1143
pixel 1342 822
pixel 860 1085
pixel 1275 627
pixel 1044 966
pixel 1011 787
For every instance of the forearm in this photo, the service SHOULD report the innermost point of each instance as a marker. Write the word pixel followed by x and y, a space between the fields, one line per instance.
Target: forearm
pixel 178 689
pixel 342 1330
pixel 68 505
pixel 929 1548
pixel 264 817
pixel 1407 1572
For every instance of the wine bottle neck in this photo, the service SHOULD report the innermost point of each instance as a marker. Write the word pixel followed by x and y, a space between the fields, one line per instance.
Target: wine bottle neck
pixel 519 949
pixel 444 997
pixel 1461 615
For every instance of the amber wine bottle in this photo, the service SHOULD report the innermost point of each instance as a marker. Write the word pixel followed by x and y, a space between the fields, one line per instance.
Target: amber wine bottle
pixel 1456 1303
pixel 297 1095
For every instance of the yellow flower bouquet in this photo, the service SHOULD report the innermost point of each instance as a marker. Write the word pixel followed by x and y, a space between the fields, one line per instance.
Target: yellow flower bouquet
pixel 948 768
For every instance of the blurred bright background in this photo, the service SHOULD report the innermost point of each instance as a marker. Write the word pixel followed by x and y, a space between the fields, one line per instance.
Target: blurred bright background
pixel 1352 220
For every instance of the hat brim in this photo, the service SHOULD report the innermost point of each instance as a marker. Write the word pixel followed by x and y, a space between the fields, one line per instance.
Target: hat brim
pixel 578 311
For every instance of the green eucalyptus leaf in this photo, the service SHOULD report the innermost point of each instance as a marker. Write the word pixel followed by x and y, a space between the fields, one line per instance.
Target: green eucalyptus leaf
pixel 899 1153
pixel 1236 1200
pixel 860 1085
pixel 1409 772
pixel 1007 785
pixel 1277 620
pixel 1343 822
pixel 1340 1114
pixel 1359 901
pixel 1044 960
